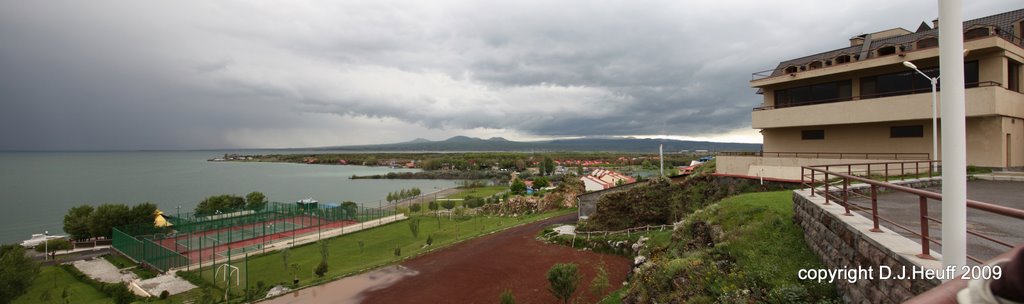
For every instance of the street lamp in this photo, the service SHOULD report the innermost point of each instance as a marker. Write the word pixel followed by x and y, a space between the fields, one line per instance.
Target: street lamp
pixel 46 245
pixel 935 112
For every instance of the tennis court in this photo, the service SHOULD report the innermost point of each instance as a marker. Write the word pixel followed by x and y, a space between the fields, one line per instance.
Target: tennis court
pixel 192 238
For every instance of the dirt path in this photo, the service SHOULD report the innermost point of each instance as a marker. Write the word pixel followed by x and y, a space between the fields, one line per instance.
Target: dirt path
pixel 478 271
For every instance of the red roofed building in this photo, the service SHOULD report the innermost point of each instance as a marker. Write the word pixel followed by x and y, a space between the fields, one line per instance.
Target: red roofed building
pixel 601 179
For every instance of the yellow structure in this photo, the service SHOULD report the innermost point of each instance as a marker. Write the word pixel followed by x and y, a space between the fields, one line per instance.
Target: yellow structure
pixel 160 221
pixel 861 102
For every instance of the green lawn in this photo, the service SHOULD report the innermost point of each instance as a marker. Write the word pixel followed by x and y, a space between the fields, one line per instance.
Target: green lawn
pixel 54 280
pixel 346 258
pixel 479 192
pixel 119 261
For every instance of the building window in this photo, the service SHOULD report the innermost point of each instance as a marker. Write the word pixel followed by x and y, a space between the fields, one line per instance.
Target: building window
pixel 886 50
pixel 814 94
pixel 815 65
pixel 812 134
pixel 791 70
pixel 1013 75
pixel 976 33
pixel 843 59
pixel 906 131
pixel 929 42
pixel 909 82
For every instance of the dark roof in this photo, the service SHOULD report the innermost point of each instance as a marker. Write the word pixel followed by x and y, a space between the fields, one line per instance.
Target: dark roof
pixel 1003 24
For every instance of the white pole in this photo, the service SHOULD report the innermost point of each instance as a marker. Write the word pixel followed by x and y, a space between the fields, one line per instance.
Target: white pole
pixel 954 135
pixel 935 122
pixel 661 156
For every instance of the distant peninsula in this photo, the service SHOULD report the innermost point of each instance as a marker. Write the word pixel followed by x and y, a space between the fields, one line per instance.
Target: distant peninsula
pixel 498 144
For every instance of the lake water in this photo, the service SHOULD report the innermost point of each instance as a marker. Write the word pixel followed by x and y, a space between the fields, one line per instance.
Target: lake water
pixel 37 188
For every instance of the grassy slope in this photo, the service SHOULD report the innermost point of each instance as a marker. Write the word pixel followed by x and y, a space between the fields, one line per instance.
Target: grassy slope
pixel 379 244
pixel 759 240
pixel 54 279
pixel 761 235
pixel 479 192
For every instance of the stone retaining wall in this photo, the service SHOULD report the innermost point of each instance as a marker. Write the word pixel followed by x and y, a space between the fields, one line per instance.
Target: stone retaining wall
pixel 845 241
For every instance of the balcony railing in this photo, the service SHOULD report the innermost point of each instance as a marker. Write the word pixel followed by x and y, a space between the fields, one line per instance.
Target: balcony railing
pixel 1015 40
pixel 872 96
pixel 835 155
pixel 832 182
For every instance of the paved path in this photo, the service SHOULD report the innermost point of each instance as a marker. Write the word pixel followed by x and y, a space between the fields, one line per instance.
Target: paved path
pixel 428 197
pixel 904 208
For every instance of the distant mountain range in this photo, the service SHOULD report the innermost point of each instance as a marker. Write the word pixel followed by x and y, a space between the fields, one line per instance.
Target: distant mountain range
pixel 465 143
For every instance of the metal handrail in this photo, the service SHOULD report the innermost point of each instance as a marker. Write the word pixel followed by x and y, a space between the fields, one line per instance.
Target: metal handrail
pixel 979 84
pixel 838 155
pixel 825 171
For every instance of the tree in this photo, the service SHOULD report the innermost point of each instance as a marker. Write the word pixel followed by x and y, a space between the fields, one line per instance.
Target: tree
pixel 255 201
pixel 321 269
pixel 541 182
pixel 549 165
pixel 17 272
pixel 415 207
pixel 76 222
pixel 432 205
pixel 106 217
pixel 520 164
pixel 414 227
pixel 507 297
pixel 398 254
pixel 285 254
pixel 142 213
pixel 223 202
pixel 391 197
pixel 351 209
pixel 518 187
pixel 600 282
pixel 563 278
pixel 448 204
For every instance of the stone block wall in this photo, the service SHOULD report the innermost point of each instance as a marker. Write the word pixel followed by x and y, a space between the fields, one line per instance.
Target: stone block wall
pixel 840 244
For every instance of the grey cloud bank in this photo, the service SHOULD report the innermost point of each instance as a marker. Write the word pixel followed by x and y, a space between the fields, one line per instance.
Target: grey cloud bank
pixel 225 74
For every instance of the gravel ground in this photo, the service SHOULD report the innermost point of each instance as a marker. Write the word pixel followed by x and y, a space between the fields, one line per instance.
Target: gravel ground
pixel 101 270
pixel 169 282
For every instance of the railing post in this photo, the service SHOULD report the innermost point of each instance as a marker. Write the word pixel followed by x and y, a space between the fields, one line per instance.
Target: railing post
pixel 812 182
pixel 826 185
pixel 925 246
pixel 887 172
pixel 846 201
pixel 902 169
pixel 869 171
pixel 874 209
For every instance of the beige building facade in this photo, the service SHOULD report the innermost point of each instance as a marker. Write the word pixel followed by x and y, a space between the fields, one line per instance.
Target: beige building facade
pixel 862 100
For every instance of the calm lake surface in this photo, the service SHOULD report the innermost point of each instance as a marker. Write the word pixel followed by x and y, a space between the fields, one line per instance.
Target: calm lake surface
pixel 37 188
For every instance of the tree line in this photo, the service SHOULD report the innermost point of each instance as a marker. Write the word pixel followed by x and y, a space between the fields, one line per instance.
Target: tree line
pixel 394 197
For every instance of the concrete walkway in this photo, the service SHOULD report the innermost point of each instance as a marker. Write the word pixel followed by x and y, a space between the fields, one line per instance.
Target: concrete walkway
pixel 903 208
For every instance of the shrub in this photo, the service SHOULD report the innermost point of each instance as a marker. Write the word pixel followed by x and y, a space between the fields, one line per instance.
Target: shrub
pixel 507 298
pixel 164 294
pixel 563 278
pixel 430 240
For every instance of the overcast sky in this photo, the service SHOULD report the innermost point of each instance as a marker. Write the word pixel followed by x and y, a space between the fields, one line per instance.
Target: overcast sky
pixel 229 74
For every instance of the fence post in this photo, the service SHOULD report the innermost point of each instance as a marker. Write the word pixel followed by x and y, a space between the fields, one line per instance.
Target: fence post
pixel 846 201
pixel 925 251
pixel 887 172
pixel 812 182
pixel 874 209
pixel 826 185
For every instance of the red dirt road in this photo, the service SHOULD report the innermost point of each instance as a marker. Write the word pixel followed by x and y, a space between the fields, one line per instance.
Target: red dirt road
pixel 478 271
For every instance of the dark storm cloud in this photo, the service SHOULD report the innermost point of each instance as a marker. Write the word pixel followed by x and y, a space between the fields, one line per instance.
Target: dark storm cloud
pixel 130 75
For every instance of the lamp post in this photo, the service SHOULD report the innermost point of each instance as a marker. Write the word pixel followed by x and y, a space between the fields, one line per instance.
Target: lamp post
pixel 46 245
pixel 935 110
